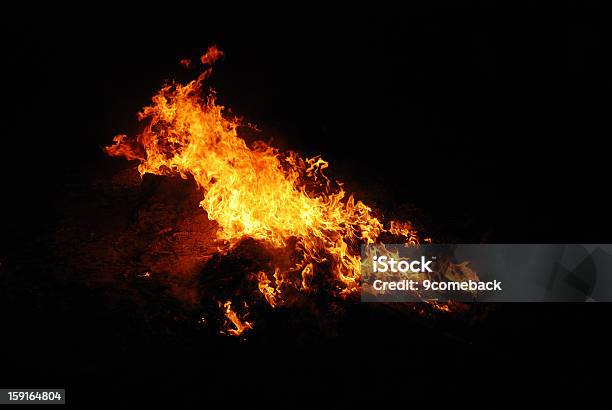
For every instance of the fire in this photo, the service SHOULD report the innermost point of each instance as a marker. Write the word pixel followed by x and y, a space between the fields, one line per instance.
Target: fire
pixel 211 55
pixel 256 191
pixel 269 292
pixel 239 326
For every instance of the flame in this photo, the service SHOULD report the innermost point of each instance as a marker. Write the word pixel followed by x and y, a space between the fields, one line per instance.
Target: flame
pixel 307 274
pixel 239 326
pixel 211 55
pixel 269 292
pixel 279 199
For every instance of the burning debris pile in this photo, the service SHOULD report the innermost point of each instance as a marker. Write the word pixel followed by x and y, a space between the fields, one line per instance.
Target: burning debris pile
pixel 304 228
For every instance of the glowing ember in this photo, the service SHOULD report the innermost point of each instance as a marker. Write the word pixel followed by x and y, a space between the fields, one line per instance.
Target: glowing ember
pixel 279 199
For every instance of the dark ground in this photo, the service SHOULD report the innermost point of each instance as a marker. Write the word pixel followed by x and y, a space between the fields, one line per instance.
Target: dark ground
pixel 484 124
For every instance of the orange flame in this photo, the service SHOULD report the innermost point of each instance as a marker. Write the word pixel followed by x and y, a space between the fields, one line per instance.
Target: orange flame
pixel 211 55
pixel 269 292
pixel 239 325
pixel 256 191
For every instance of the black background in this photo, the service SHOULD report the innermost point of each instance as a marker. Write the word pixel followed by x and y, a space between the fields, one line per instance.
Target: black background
pixel 492 121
